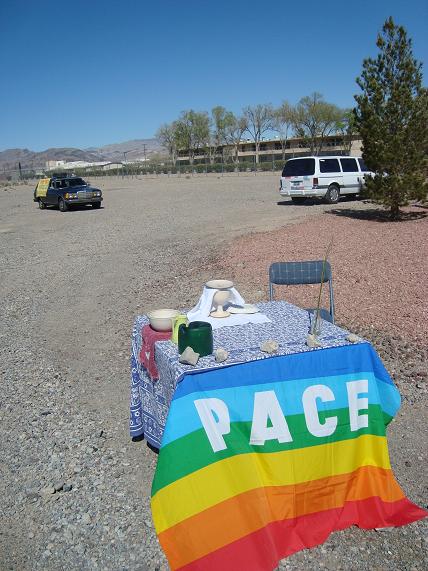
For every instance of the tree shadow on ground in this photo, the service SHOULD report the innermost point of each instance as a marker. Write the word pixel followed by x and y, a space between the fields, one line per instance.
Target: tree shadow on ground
pixel 424 206
pixel 377 214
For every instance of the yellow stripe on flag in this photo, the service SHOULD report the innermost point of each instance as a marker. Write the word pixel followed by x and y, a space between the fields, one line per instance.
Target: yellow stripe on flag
pixel 232 476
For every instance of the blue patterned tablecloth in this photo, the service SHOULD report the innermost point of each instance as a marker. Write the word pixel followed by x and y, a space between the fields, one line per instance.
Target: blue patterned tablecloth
pixel 150 400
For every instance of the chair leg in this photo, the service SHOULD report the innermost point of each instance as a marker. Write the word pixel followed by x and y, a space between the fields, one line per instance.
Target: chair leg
pixel 270 292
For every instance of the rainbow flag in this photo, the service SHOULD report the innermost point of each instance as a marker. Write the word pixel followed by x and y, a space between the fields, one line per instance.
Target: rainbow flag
pixel 263 459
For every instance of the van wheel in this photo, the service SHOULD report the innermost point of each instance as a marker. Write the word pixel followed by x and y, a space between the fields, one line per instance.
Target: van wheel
pixel 298 199
pixel 62 205
pixel 42 205
pixel 333 193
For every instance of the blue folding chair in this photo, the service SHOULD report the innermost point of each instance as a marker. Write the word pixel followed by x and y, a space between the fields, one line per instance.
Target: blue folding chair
pixel 301 273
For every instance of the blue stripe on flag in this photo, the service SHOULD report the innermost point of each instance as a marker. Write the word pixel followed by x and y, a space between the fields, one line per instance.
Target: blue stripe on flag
pixel 330 362
pixel 239 397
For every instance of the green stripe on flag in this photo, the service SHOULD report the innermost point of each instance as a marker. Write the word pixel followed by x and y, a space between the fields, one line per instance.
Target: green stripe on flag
pixel 193 451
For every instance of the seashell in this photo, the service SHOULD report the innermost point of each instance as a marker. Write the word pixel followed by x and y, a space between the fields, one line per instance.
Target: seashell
pixel 189 357
pixel 270 346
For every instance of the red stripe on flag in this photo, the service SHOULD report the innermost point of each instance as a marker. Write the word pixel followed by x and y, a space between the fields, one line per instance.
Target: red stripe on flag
pixel 263 549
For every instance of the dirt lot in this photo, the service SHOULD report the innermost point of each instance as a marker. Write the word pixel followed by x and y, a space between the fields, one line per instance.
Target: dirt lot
pixel 71 286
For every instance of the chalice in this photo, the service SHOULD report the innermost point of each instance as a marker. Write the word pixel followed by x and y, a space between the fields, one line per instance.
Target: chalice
pixel 221 296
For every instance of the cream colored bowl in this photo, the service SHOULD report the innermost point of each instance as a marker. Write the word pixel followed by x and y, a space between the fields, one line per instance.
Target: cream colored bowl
pixel 161 319
pixel 219 284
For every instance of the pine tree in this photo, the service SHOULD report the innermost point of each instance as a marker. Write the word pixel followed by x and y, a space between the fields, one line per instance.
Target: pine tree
pixel 392 119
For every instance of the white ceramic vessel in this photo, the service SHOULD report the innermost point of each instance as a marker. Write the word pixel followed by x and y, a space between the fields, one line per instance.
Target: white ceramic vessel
pixel 162 319
pixel 221 297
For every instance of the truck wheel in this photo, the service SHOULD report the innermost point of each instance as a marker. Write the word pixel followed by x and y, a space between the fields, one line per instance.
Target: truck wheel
pixel 62 205
pixel 42 205
pixel 333 193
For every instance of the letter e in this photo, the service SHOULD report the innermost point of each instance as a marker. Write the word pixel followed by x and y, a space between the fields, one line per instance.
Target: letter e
pixel 356 404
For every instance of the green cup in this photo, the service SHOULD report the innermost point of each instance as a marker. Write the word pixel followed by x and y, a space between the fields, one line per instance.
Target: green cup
pixel 198 335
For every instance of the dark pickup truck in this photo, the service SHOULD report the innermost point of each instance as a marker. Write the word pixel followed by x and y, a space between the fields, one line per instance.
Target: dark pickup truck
pixel 65 191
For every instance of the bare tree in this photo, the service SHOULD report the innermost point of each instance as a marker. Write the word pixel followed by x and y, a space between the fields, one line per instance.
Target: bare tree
pixel 233 134
pixel 283 122
pixel 167 136
pixel 259 121
pixel 315 119
pixel 222 122
pixel 211 147
pixel 222 119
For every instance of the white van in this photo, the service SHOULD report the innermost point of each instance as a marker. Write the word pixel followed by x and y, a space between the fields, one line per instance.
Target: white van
pixel 327 177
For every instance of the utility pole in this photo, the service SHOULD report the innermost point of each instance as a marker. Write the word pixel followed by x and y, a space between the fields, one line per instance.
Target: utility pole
pixel 124 161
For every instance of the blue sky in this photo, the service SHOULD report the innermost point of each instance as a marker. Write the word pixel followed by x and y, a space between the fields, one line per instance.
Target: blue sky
pixel 89 73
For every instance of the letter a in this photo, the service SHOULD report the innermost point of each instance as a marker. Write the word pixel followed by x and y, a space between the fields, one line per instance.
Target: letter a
pixel 266 406
pixel 214 428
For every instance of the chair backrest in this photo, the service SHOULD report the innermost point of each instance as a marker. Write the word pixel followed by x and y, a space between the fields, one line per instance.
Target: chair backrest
pixel 301 273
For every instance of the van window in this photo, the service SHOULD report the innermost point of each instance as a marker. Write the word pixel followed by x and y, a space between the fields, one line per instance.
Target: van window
pixel 363 165
pixel 299 167
pixel 349 165
pixel 329 165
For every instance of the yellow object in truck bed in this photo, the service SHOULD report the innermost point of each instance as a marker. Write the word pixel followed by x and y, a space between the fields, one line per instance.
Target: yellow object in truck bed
pixel 42 187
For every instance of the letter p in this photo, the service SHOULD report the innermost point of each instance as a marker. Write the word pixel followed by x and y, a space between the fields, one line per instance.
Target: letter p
pixel 214 427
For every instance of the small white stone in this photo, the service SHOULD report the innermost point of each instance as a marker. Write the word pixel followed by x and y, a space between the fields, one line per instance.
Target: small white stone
pixel 47 492
pixel 352 338
pixel 270 346
pixel 86 519
pixel 189 357
pixel 220 355
pixel 312 341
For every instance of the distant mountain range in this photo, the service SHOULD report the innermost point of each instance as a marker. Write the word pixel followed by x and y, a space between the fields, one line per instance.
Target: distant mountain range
pixel 129 150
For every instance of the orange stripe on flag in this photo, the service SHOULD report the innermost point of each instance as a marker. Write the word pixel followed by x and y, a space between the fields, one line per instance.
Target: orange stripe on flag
pixel 245 513
pixel 263 549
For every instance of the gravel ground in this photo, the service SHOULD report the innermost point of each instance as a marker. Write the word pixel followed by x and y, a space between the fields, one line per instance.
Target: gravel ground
pixel 380 268
pixel 74 490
